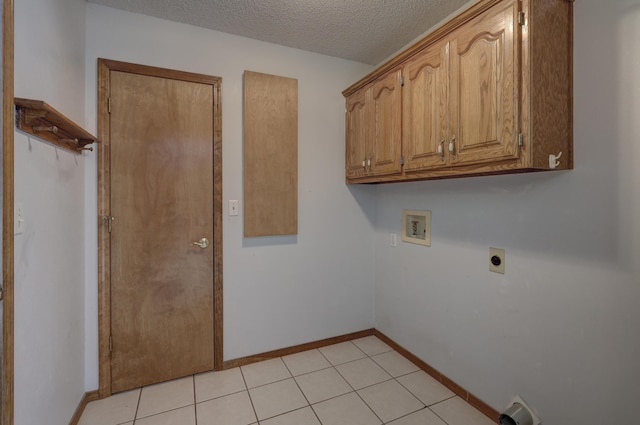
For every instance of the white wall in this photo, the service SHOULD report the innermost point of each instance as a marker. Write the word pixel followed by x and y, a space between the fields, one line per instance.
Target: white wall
pixel 560 328
pixel 49 255
pixel 278 291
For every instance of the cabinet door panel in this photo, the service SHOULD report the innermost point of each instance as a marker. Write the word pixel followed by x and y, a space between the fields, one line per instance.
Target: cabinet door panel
pixel 425 112
pixel 484 87
pixel 356 126
pixel 386 104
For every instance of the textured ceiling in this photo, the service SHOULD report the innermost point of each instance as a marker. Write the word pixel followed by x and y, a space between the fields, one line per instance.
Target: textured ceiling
pixel 366 31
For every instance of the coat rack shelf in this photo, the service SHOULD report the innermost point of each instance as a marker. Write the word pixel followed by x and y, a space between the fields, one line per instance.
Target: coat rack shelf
pixel 41 120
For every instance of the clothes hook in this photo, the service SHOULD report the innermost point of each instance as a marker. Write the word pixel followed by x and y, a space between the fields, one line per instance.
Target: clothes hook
pixel 553 160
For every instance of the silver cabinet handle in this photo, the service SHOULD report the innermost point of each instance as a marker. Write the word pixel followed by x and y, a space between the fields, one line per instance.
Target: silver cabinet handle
pixel 202 243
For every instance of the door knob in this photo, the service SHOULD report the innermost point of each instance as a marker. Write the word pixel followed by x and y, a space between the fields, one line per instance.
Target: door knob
pixel 202 243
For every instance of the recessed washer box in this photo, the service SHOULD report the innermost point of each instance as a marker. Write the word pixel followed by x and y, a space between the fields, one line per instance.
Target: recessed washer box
pixel 416 227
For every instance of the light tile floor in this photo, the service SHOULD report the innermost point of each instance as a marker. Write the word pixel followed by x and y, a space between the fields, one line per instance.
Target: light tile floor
pixel 362 382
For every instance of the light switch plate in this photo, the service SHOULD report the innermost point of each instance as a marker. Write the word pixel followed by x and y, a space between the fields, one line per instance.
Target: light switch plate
pixel 393 239
pixel 234 209
pixel 496 260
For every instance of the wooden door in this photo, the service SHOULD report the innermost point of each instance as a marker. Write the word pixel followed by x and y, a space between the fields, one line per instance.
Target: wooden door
pixel 484 87
pixel 385 124
pixel 425 130
pixel 356 129
pixel 161 153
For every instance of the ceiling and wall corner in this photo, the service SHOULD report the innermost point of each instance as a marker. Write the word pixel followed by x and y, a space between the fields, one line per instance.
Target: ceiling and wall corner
pixel 360 30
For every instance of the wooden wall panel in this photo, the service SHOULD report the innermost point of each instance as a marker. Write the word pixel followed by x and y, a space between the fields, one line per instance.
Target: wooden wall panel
pixel 270 155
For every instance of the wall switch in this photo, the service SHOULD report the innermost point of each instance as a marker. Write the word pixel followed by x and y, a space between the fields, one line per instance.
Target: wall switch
pixel 496 260
pixel 18 218
pixel 234 209
pixel 393 240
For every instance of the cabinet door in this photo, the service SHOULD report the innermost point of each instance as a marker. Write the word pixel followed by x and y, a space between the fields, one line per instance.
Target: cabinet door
pixel 356 127
pixel 425 109
pixel 386 124
pixel 484 87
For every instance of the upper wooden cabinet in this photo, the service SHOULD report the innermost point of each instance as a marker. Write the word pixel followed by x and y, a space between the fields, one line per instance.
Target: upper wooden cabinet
pixel 356 126
pixel 484 87
pixel 374 128
pixel 483 94
pixel 425 119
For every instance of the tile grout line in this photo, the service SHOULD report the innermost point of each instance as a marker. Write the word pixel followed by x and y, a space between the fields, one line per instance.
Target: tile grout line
pixel 162 413
pixel 308 403
pixel 135 416
pixel 221 396
pixel 195 407
pixel 352 387
pixel 249 394
pixel 408 414
pixel 438 416
pixel 393 378
pixel 411 392
pixel 348 383
pixel 403 386
pixel 300 388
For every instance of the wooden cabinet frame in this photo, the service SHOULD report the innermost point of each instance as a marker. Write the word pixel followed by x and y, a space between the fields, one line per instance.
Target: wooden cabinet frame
pixel 534 112
pixel 374 128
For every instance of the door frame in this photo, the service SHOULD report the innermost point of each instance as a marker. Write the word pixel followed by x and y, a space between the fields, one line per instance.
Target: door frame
pixel 6 389
pixel 104 195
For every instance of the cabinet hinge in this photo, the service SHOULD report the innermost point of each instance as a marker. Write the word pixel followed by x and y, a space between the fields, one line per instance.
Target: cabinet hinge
pixel 402 81
pixel 110 343
pixel 401 160
pixel 109 221
pixel 109 105
pixel 520 140
pixel 521 20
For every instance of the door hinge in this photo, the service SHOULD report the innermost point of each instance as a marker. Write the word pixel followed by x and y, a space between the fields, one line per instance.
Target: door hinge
pixel 401 81
pixel 520 140
pixel 109 105
pixel 521 20
pixel 110 344
pixel 401 160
